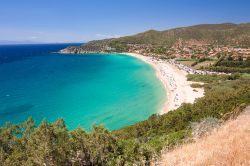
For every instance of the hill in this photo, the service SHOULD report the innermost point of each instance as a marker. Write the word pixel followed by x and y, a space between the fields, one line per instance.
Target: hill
pixel 227 34
pixel 211 33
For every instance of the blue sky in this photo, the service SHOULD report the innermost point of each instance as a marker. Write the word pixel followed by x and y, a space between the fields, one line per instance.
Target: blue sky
pixel 84 20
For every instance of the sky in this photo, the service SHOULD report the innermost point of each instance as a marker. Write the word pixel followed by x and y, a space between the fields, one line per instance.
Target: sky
pixel 52 21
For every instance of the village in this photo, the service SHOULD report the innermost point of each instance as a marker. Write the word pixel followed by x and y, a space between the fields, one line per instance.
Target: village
pixel 190 50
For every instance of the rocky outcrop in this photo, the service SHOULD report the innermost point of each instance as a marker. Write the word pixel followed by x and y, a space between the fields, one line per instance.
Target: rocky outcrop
pixel 101 46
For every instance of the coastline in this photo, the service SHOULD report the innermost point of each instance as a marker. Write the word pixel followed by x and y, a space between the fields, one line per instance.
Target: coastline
pixel 174 80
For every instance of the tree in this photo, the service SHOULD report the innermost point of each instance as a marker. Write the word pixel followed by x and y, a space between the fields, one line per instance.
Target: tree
pixel 80 147
pixel 49 144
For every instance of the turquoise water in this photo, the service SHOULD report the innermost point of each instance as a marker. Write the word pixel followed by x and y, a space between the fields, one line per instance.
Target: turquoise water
pixel 110 89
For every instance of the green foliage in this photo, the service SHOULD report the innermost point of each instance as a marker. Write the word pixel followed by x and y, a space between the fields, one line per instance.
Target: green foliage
pixel 168 140
pixel 119 47
pixel 203 59
pixel 196 85
pixel 234 63
pixel 159 50
pixel 206 78
pixel 234 76
pixel 52 144
pixel 228 64
pixel 229 69
pixel 245 76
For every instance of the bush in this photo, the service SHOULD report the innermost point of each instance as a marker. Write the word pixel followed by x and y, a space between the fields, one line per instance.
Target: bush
pixel 204 126
pixel 234 76
pixel 196 85
pixel 206 78
pixel 194 63
pixel 229 65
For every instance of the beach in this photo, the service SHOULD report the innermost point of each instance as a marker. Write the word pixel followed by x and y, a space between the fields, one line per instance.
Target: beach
pixel 178 89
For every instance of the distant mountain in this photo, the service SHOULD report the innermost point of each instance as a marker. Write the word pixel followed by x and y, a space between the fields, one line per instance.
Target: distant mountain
pixel 219 34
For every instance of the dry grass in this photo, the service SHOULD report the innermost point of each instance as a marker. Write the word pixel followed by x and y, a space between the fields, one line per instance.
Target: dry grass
pixel 227 145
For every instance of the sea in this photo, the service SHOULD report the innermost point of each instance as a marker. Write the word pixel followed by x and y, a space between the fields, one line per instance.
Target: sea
pixel 113 90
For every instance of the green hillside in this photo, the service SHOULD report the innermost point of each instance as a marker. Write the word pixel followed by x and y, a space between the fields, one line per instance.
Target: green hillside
pixel 212 33
pixel 219 34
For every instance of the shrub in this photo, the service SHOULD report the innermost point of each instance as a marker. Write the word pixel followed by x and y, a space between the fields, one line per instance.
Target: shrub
pixel 204 126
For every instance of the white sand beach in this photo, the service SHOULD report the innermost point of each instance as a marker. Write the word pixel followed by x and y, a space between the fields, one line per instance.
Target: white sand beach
pixel 178 89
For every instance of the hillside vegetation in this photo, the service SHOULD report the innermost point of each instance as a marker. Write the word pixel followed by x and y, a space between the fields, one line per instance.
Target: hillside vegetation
pixel 211 33
pixel 216 34
pixel 140 144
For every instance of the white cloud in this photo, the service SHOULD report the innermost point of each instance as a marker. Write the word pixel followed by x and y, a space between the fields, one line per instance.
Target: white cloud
pixel 33 37
pixel 107 36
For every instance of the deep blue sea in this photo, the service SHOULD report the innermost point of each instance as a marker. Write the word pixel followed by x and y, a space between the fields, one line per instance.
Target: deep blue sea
pixel 110 89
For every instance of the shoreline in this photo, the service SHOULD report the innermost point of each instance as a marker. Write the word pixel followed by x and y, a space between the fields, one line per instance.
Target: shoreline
pixel 178 89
